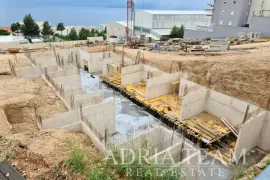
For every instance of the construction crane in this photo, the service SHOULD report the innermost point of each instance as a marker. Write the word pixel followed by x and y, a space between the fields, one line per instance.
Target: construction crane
pixel 130 14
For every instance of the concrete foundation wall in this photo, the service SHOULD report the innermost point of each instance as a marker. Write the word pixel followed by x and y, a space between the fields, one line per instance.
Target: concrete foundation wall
pixel 264 142
pixel 230 108
pixel 159 138
pixel 60 120
pixel 27 72
pixel 8 45
pixel 69 81
pixel 190 87
pixel 97 61
pixel 69 72
pixel 76 127
pixel 159 86
pixel 83 56
pixel 249 135
pixel 16 44
pixel 93 138
pixel 193 104
pixel 132 74
pixel 102 116
pixel 88 99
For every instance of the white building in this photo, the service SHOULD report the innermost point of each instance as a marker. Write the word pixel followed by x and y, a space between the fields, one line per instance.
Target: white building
pixel 259 8
pixel 159 22
pixel 77 28
pixel 102 27
pixel 116 31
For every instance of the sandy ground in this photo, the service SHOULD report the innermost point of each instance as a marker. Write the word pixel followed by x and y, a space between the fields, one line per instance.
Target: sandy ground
pixel 33 152
pixel 243 72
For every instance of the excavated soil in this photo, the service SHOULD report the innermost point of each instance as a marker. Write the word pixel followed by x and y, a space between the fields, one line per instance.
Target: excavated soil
pixel 36 154
pixel 243 72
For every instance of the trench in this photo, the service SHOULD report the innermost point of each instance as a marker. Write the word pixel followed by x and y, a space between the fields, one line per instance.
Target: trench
pixel 130 116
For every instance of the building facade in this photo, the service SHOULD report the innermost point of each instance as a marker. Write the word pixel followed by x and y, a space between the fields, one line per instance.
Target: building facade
pixel 159 22
pixel 231 12
pixel 116 31
pixel 231 17
pixel 259 8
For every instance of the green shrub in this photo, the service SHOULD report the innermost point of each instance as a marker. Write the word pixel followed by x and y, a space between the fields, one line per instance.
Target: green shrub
pixel 99 174
pixel 7 155
pixel 76 161
pixel 267 163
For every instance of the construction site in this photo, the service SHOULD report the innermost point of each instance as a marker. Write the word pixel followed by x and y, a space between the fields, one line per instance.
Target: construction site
pixel 55 98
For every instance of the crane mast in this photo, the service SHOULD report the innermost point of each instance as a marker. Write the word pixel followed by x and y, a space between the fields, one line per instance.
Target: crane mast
pixel 130 14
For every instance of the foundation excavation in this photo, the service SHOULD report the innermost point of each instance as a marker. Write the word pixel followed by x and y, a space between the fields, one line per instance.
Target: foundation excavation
pixel 120 103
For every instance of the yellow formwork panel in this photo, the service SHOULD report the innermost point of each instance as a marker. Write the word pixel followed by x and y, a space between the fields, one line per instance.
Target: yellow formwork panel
pixel 113 78
pixel 167 105
pixel 207 126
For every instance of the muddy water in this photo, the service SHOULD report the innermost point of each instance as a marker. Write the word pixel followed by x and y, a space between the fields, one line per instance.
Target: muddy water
pixel 129 116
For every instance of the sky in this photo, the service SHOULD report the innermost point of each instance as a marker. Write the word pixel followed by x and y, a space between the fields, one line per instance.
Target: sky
pixel 85 12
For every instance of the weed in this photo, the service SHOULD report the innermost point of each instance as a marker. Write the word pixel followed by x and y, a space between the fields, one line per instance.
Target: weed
pixel 267 163
pixel 239 172
pixel 76 161
pixel 13 156
pixel 7 155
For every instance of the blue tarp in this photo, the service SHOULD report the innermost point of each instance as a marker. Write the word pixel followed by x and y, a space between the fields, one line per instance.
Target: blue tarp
pixel 265 174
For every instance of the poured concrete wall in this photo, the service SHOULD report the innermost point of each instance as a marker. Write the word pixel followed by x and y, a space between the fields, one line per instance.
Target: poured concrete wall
pixel 159 86
pixel 159 138
pixel 7 45
pixel 102 116
pixel 28 72
pixel 189 86
pixel 69 72
pixel 132 74
pixel 60 120
pixel 193 104
pixel 88 99
pixel 86 130
pixel 230 108
pixel 264 142
pixel 69 81
pixel 249 135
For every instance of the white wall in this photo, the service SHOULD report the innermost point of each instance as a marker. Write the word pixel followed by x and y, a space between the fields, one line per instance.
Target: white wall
pixel 264 142
pixel 159 138
pixel 88 99
pixel 159 86
pixel 249 135
pixel 230 108
pixel 60 120
pixel 193 104
pixel 191 87
pixel 132 74
pixel 68 81
pixel 102 116
pixel 27 72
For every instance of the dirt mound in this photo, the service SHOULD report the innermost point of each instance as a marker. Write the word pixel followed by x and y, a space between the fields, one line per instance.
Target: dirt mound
pixel 23 101
pixel 244 74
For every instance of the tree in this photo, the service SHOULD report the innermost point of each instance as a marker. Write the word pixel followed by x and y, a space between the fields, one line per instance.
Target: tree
pixel 181 32
pixel 177 32
pixel 84 33
pixel 46 31
pixel 30 27
pixel 174 32
pixel 73 34
pixel 4 32
pixel 60 27
pixel 16 28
